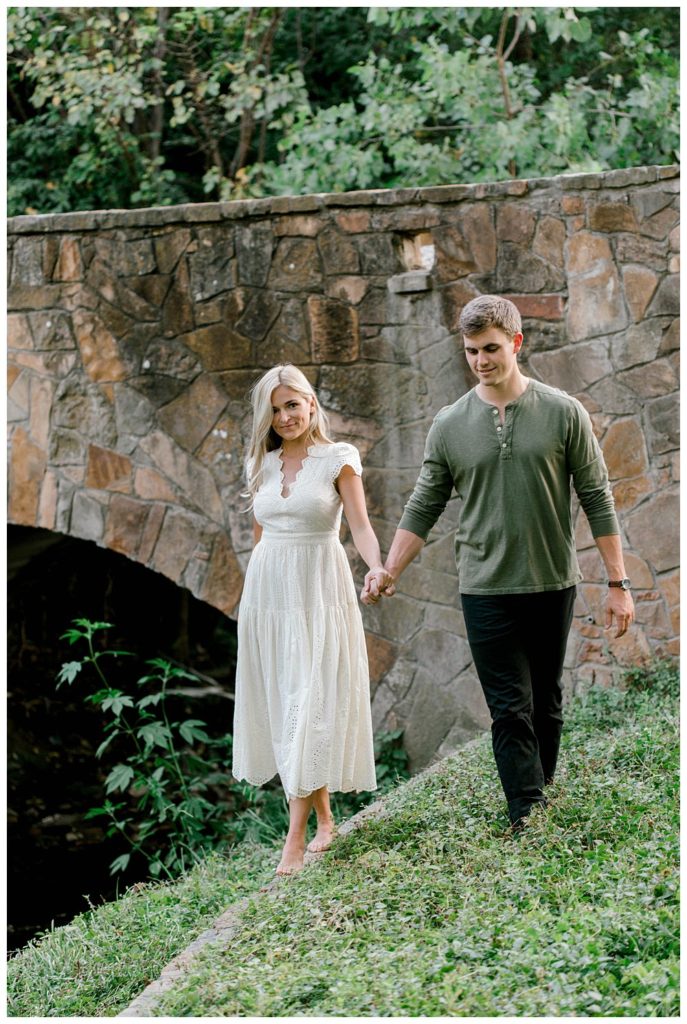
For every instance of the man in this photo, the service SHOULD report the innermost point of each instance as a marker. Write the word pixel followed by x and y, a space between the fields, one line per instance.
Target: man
pixel 511 448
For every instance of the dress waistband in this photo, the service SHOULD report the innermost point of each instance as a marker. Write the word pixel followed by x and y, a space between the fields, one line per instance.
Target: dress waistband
pixel 300 538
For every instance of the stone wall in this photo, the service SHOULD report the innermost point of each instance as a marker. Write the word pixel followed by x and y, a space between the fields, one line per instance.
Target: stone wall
pixel 135 336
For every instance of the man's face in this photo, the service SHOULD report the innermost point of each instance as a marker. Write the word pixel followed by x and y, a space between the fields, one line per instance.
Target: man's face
pixel 492 355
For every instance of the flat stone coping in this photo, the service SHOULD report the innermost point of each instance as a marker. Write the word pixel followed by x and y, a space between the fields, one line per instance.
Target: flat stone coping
pixel 226 925
pixel 240 209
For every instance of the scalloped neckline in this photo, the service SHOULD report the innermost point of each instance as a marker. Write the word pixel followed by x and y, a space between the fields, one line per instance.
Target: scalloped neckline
pixel 279 452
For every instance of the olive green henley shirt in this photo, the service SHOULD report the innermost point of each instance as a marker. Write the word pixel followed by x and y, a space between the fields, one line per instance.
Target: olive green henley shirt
pixel 515 534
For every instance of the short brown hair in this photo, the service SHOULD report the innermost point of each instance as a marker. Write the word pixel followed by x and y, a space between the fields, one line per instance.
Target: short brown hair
pixel 490 311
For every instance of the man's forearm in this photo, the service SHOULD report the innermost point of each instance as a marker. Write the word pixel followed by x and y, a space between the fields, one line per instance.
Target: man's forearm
pixel 404 548
pixel 611 551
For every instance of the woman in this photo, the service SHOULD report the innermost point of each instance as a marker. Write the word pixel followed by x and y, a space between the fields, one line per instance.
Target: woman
pixel 302 685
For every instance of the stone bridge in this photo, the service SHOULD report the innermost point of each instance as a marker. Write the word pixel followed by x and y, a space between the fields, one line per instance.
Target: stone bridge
pixel 135 336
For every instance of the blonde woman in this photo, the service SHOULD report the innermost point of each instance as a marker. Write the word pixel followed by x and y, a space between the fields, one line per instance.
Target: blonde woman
pixel 302 685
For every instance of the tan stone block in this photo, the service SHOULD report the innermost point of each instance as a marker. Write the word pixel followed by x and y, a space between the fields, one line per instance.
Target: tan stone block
pixel 628 493
pixel 381 656
pixel 640 285
pixel 354 221
pixel 572 204
pixel 638 570
pixel 584 250
pixel 672 647
pixel 19 395
pixel 349 288
pixel 151 485
pixel 573 367
pixel 126 519
pixel 151 532
pixel 675 621
pixel 670 588
pixel 108 470
pixel 674 264
pixel 178 538
pixel 224 579
pixel 48 502
pixel 296 266
pixel 193 479
pixel 671 339
pixel 191 416
pixel 674 239
pixel 99 350
pixel 595 305
pixel 169 247
pixel 653 529
pixel 652 380
pixel 42 391
pixel 334 330
pixel 624 449
pixel 69 266
pixel 478 231
pixel 515 223
pixel 219 347
pixel 653 618
pixel 18 331
pixel 26 472
pixel 74 473
pixel 631 649
pixel 549 240
pixel 539 307
pixel 453 298
pixel 612 217
pixel 660 225
pixel 300 225
pixel 49 364
pixel 13 372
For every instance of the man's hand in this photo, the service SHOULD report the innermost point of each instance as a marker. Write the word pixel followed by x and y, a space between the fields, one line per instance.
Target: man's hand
pixel 619 606
pixel 377 582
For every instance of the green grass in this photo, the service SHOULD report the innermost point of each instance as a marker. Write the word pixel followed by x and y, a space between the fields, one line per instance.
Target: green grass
pixel 433 909
pixel 96 965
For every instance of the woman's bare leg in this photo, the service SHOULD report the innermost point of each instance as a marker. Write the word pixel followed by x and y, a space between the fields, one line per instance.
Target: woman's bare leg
pixel 294 847
pixel 326 829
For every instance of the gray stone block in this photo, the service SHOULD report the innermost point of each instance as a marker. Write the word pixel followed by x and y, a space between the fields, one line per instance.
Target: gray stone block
pixel 88 517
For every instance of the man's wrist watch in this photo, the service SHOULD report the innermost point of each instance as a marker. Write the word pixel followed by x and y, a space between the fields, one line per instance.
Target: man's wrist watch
pixel 624 583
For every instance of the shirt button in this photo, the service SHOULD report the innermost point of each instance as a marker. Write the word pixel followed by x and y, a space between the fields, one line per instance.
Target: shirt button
pixel 499 429
pixel 495 412
pixel 504 445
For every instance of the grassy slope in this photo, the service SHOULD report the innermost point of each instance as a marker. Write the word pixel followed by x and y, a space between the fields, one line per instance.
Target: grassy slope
pixel 429 910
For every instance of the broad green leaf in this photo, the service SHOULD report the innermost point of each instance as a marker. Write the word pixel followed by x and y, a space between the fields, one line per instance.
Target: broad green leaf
pixel 119 778
pixel 69 672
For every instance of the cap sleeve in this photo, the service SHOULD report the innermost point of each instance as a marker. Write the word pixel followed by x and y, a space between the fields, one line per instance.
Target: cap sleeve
pixel 344 455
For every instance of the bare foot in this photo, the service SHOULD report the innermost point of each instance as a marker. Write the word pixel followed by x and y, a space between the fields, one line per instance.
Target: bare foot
pixel 324 837
pixel 291 857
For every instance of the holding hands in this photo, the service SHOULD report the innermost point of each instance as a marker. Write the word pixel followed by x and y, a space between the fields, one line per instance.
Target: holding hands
pixel 377 582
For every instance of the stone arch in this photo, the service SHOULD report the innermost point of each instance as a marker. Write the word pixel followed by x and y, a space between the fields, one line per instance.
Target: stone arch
pixel 135 336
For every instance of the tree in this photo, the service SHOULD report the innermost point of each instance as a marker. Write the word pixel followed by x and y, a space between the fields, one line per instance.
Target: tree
pixel 113 107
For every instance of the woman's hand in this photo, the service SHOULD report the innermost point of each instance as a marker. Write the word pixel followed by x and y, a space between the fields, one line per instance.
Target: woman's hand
pixel 377 582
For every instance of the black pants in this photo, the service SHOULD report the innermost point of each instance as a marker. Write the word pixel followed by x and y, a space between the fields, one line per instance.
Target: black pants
pixel 518 645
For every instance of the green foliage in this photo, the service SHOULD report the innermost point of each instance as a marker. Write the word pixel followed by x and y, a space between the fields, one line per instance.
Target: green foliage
pixel 171 796
pixel 95 966
pixel 121 107
pixel 174 777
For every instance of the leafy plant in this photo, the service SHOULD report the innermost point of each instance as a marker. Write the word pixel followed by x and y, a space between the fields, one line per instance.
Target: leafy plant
pixel 171 795
pixel 175 777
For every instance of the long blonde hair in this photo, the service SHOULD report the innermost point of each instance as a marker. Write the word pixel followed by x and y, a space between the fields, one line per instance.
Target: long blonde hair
pixel 263 438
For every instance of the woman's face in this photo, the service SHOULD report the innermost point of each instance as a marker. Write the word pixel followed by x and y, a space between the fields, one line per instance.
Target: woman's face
pixel 291 413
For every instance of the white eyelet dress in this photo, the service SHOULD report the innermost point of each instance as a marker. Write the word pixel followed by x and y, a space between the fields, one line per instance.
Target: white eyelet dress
pixel 302 706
